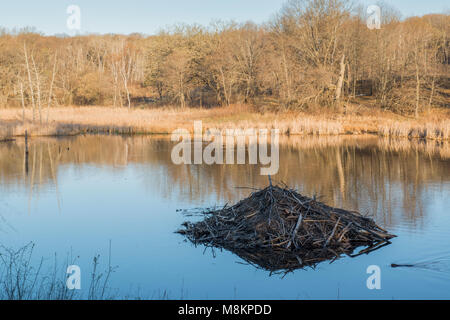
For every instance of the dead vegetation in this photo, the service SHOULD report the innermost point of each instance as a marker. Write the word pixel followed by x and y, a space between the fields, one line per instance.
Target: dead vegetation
pixel 279 230
pixel 66 121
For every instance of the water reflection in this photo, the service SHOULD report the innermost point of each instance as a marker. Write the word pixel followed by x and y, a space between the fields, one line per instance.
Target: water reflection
pixel 282 263
pixel 367 174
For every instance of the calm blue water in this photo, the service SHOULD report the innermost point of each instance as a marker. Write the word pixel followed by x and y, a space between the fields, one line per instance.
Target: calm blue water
pixel 81 193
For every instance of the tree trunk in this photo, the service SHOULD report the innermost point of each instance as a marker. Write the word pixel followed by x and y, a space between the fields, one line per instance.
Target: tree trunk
pixel 23 101
pixel 227 99
pixel 30 82
pixel 38 87
pixel 51 88
pixel 416 112
pixel 341 79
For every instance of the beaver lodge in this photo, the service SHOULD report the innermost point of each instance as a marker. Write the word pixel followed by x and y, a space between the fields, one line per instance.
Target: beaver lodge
pixel 279 230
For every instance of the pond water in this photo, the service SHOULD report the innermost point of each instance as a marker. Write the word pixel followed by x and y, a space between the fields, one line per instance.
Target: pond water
pixel 80 194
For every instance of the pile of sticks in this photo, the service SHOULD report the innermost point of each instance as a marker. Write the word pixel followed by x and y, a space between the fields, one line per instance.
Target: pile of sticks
pixel 278 229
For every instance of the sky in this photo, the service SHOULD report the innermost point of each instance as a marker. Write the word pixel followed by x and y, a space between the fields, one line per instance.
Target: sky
pixel 149 16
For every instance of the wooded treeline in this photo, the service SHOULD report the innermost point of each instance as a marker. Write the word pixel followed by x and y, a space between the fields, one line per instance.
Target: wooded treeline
pixel 312 54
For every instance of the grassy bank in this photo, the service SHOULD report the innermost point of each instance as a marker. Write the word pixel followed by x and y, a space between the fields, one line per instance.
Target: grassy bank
pixel 63 121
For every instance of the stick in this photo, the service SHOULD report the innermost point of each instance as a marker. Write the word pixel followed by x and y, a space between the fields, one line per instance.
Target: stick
pixel 332 233
pixel 297 226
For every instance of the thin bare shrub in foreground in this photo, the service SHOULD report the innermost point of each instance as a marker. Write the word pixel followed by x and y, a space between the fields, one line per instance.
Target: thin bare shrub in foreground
pixel 22 278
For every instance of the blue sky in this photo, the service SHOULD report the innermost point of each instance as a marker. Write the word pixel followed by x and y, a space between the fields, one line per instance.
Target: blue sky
pixel 148 16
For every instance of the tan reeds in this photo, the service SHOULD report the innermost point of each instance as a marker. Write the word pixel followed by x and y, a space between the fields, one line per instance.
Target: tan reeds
pixel 80 120
pixel 437 130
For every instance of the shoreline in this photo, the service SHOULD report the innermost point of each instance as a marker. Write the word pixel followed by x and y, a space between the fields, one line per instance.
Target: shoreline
pixel 73 121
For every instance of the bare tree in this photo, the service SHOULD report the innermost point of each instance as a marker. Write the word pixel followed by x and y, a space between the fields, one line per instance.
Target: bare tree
pixel 30 82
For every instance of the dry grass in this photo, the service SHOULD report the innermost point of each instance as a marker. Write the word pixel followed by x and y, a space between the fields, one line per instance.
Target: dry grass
pixel 439 130
pixel 79 120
